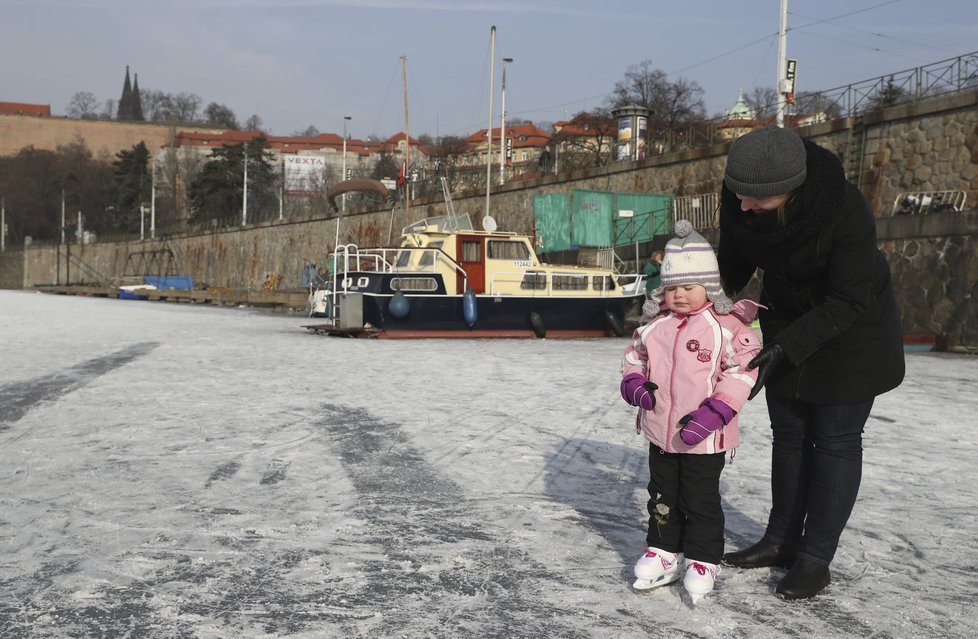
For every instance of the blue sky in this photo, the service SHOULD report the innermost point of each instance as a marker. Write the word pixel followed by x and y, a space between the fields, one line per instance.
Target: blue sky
pixel 297 63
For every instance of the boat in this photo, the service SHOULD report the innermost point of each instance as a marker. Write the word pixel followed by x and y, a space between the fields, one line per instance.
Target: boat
pixel 135 291
pixel 446 279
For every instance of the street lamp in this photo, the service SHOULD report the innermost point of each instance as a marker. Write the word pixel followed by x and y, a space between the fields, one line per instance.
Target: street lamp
pixel 152 205
pixel 346 119
pixel 503 149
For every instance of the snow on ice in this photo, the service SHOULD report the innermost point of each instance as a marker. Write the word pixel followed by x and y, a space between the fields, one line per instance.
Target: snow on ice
pixel 184 471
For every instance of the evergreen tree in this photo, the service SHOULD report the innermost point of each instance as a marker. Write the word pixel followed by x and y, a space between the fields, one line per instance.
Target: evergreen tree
pixel 131 186
pixel 218 190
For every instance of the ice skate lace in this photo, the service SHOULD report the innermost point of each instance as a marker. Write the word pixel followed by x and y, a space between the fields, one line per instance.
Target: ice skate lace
pixel 700 568
pixel 651 554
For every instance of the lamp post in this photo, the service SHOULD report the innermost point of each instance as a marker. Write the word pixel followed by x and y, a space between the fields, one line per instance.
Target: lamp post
pixel 244 198
pixel 503 149
pixel 346 119
pixel 152 205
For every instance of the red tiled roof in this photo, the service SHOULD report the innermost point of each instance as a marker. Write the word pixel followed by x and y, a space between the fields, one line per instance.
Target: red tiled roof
pixel 21 108
pixel 534 135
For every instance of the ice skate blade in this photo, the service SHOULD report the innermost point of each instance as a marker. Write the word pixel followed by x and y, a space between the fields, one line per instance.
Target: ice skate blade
pixel 644 585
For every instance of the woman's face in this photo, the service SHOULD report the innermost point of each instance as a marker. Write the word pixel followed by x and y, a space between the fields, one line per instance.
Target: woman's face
pixel 760 206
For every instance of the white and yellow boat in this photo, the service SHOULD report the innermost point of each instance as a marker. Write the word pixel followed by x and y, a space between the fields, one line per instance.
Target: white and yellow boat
pixel 449 280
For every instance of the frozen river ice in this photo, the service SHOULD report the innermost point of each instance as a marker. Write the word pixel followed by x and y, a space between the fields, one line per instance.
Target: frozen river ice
pixel 171 470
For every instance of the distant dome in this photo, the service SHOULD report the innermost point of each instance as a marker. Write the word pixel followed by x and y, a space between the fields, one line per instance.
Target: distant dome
pixel 740 111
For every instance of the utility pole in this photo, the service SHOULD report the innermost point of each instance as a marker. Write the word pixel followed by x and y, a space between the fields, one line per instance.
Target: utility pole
pixel 3 225
pixel 503 147
pixel 782 62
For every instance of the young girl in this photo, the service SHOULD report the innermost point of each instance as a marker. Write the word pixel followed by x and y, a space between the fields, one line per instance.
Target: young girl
pixel 686 370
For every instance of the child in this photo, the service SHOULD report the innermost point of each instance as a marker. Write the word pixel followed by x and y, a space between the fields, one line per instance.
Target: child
pixel 686 370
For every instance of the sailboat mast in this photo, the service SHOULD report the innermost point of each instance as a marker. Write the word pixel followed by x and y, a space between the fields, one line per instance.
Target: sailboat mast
pixel 492 61
pixel 407 143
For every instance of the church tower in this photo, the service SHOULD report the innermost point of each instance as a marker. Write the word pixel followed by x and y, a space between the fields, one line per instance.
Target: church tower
pixel 130 105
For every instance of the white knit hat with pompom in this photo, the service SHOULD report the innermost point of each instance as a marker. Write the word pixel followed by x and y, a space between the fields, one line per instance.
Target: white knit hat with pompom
pixel 689 259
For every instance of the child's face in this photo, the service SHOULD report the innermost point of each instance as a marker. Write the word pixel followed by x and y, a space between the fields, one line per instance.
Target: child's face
pixel 685 298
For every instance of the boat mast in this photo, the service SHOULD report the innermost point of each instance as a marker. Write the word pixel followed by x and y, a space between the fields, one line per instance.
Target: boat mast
pixel 407 143
pixel 492 60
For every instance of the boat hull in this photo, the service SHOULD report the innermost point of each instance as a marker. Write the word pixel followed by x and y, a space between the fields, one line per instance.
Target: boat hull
pixel 444 316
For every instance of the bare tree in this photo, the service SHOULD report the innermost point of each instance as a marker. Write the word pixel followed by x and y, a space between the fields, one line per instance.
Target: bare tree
pixel 157 106
pixel 84 106
pixel 671 104
pixel 254 123
pixel 221 115
pixel 108 110
pixel 763 101
pixel 588 139
pixel 309 132
pixel 186 107
pixel 815 102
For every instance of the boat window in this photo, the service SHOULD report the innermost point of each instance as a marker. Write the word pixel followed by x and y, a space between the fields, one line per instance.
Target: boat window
pixel 428 257
pixel 534 281
pixel 602 283
pixel 413 284
pixel 471 251
pixel 508 250
pixel 570 282
pixel 403 258
pixel 363 281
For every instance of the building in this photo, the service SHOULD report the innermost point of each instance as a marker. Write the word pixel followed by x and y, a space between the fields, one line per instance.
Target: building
pixel 21 108
pixel 739 119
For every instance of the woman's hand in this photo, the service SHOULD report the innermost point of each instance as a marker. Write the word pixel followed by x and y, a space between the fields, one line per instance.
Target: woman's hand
pixel 765 362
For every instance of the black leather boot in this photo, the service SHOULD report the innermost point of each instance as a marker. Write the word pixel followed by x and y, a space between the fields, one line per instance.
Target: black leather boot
pixel 805 579
pixel 766 552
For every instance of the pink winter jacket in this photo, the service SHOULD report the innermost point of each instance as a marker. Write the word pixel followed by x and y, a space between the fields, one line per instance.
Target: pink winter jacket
pixel 692 357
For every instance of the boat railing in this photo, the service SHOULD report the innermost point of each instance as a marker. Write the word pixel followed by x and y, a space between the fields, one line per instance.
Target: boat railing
pixel 540 282
pixel 631 283
pixel 350 258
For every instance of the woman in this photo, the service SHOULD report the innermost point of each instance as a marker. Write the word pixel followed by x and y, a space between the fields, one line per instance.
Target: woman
pixel 652 271
pixel 832 338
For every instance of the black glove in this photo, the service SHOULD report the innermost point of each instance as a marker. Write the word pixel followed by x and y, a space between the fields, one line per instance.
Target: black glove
pixel 766 361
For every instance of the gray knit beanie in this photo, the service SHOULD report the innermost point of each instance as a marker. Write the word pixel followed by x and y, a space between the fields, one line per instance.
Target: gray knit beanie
pixel 765 162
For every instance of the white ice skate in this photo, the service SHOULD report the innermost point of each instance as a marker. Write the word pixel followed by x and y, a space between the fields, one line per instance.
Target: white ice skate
pixel 699 579
pixel 657 568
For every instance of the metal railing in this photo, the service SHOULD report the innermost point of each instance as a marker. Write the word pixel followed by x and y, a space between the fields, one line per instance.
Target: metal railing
pixel 921 202
pixel 701 210
pixel 910 85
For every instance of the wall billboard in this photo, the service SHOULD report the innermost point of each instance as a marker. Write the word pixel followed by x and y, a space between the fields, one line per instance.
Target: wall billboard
pixel 304 174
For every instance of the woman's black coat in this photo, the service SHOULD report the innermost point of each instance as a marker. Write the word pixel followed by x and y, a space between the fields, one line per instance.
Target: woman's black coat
pixel 826 286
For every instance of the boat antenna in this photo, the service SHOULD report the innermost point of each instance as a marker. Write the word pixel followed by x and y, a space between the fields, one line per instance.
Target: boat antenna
pixel 407 144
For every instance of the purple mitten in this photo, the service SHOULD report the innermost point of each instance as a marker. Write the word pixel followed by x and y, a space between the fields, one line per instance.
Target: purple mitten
pixel 637 391
pixel 711 415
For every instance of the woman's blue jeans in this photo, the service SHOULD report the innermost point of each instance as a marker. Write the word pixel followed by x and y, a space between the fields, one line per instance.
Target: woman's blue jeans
pixel 816 467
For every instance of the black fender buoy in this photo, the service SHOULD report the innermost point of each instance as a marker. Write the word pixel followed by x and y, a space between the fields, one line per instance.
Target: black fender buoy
pixel 399 305
pixel 537 323
pixel 615 325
